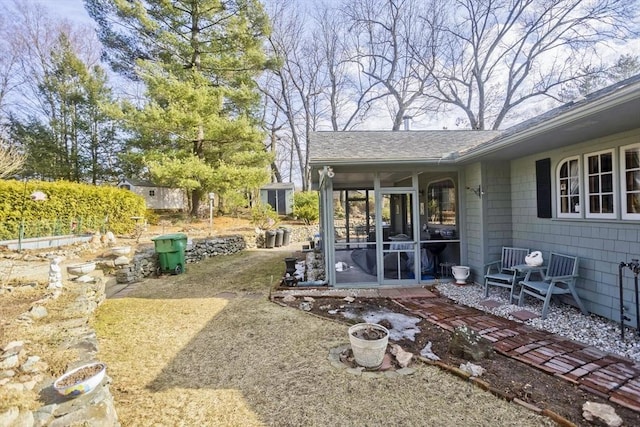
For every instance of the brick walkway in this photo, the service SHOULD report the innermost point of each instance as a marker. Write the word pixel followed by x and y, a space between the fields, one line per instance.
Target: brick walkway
pixel 606 375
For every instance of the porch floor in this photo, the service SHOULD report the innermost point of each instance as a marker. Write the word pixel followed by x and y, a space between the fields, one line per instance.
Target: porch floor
pixel 609 376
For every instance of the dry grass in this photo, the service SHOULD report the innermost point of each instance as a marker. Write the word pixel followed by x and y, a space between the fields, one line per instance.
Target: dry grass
pixel 181 356
pixel 40 339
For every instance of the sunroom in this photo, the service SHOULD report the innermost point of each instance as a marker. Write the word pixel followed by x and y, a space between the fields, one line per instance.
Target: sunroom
pixel 391 204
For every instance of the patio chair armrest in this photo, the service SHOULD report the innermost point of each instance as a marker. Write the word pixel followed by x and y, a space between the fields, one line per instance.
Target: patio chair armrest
pixel 491 264
pixel 556 279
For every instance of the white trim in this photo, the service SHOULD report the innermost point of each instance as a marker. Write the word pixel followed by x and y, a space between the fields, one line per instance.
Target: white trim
pixel 614 192
pixel 623 182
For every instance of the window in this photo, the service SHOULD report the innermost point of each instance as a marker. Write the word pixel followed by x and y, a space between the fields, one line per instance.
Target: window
pixel 441 202
pixel 569 188
pixel 152 193
pixel 630 179
pixel 600 186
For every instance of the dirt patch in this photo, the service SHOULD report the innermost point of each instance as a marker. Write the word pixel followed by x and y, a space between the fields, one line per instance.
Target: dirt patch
pixel 511 377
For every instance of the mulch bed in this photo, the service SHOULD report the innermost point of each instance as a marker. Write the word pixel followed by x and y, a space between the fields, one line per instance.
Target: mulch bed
pixel 505 377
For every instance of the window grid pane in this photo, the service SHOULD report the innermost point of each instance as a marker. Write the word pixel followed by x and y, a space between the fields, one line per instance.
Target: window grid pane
pixel 600 178
pixel 569 187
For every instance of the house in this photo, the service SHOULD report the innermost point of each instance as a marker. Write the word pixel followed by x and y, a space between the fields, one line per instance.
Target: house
pixel 279 195
pixel 158 197
pixel 567 181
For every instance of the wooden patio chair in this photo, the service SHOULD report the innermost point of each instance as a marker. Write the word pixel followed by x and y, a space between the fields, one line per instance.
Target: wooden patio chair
pixel 559 278
pixel 501 273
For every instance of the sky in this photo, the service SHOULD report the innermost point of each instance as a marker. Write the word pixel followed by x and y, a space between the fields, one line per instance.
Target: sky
pixel 71 9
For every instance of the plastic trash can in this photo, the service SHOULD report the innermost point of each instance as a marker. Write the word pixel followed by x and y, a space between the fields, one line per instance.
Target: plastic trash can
pixel 269 239
pixel 286 236
pixel 279 235
pixel 171 250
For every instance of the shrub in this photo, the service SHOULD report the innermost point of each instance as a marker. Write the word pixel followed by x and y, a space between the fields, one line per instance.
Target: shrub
pixel 306 206
pixel 69 208
pixel 264 217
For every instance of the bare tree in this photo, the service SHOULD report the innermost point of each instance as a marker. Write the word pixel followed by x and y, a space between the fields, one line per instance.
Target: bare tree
pixel 395 49
pixel 293 89
pixel 11 160
pixel 348 95
pixel 496 55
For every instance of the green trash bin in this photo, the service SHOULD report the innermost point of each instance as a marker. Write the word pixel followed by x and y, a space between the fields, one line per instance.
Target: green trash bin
pixel 171 252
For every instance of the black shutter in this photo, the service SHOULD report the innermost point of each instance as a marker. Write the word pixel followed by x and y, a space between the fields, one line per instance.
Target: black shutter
pixel 543 187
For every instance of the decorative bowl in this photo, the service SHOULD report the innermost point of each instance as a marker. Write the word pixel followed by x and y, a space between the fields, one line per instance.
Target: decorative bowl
pixel 81 380
pixel 121 250
pixel 447 233
pixel 80 269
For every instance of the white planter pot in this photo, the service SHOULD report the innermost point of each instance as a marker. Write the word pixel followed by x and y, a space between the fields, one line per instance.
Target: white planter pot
pixel 80 269
pixel 121 250
pixel 368 353
pixel 81 386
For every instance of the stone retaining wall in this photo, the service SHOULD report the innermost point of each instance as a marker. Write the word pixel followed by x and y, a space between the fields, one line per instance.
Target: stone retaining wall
pixel 144 264
pixel 25 372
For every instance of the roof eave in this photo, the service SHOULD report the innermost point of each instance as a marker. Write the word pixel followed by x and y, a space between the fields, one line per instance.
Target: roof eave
pixel 582 112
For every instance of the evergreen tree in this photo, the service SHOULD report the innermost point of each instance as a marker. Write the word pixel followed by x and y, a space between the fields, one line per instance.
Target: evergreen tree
pixel 198 59
pixel 73 136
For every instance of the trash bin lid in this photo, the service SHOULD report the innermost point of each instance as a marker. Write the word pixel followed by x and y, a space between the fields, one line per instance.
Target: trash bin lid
pixel 174 236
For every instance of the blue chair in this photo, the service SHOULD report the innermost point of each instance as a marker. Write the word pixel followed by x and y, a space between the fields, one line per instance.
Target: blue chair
pixel 559 278
pixel 501 273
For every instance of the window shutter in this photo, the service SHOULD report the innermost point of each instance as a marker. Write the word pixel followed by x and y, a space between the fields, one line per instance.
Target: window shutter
pixel 543 187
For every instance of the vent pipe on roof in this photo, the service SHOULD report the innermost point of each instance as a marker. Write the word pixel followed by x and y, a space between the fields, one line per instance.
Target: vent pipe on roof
pixel 407 122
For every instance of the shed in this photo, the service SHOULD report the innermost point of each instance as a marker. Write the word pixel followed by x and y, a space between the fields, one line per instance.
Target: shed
pixel 158 197
pixel 279 195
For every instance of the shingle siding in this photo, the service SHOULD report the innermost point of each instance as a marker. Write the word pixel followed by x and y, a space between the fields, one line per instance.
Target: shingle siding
pixel 600 245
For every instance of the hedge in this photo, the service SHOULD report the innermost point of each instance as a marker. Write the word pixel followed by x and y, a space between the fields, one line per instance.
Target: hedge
pixel 69 207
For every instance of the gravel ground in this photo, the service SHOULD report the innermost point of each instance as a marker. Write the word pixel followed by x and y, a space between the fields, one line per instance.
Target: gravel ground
pixel 562 319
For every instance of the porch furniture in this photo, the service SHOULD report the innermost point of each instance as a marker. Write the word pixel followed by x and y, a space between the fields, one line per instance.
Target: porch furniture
pixel 502 273
pixel 559 277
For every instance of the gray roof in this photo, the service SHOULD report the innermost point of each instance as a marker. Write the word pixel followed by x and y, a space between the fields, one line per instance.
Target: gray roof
pixel 607 111
pixel 380 146
pixel 279 186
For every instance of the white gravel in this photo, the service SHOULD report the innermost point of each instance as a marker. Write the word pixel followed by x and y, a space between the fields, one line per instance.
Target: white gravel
pixel 562 319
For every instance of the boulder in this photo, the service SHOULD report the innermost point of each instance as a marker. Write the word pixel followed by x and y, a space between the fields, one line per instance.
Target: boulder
pixel 469 345
pixel 592 411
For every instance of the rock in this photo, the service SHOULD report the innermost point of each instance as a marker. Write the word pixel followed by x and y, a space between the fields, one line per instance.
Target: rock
pixel 469 345
pixel 309 299
pixel 592 411
pixel 13 345
pixel 30 364
pixel 426 352
pixel 38 312
pixel 25 419
pixel 306 306
pixel 289 298
pixel 7 373
pixel 9 362
pixel 121 260
pixel 9 416
pixel 471 369
pixel 349 299
pixel 403 357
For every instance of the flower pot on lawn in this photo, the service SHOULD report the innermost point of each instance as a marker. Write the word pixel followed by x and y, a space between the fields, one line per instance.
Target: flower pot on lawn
pixel 369 344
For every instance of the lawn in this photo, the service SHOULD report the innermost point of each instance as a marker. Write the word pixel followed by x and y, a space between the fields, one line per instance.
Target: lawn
pixel 209 348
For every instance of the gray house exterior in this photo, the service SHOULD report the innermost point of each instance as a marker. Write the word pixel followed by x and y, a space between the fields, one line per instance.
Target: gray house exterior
pixel 567 181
